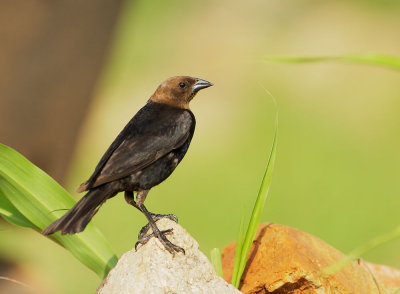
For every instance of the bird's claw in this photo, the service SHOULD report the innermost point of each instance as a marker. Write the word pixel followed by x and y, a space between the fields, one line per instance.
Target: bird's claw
pixel 142 240
pixel 172 248
pixel 156 217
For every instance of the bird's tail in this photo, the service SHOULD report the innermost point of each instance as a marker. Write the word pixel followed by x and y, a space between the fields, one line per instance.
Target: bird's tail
pixel 77 218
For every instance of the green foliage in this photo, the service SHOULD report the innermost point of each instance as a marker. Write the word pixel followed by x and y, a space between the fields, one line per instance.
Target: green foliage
pixel 30 198
pixel 243 249
pixel 216 261
pixel 368 58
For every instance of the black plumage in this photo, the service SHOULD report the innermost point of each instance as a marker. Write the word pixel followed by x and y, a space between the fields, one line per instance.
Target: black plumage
pixel 143 155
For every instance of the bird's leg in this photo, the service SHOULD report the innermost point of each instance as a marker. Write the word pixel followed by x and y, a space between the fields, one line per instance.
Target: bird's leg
pixel 156 217
pixel 172 248
pixel 152 218
pixel 130 199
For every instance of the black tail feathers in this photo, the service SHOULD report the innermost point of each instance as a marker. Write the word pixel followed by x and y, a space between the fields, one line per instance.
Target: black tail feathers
pixel 77 218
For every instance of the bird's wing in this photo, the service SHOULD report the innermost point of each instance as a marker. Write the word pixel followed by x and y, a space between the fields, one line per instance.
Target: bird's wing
pixel 144 140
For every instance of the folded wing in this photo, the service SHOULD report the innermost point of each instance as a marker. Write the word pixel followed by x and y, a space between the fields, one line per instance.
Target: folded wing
pixel 152 133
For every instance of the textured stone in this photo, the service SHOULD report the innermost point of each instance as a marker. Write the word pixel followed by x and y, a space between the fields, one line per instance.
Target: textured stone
pixel 388 276
pixel 152 269
pixel 286 260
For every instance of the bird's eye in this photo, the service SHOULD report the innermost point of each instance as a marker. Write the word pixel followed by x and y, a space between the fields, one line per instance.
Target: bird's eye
pixel 182 85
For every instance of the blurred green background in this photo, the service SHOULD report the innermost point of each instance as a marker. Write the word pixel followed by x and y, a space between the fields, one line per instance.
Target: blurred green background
pixel 338 162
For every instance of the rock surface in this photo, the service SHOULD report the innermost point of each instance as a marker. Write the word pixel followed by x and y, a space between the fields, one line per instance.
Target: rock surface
pixel 152 269
pixel 388 276
pixel 286 260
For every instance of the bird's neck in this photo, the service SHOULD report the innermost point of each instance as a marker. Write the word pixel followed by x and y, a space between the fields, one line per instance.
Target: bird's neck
pixel 170 102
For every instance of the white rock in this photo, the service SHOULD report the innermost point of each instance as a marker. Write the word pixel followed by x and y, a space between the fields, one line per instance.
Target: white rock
pixel 152 269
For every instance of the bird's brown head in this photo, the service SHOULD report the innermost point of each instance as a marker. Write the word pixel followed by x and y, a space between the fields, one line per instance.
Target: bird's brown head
pixel 179 91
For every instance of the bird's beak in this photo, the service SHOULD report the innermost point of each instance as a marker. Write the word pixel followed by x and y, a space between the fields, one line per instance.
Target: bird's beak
pixel 200 84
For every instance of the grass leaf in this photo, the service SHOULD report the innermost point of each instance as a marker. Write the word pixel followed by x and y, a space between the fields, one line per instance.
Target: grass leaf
pixel 258 208
pixel 359 251
pixel 238 250
pixel 216 261
pixel 11 214
pixel 367 58
pixel 29 198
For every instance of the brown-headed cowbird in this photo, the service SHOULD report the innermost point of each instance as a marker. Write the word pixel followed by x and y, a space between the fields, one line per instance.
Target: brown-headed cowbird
pixel 143 155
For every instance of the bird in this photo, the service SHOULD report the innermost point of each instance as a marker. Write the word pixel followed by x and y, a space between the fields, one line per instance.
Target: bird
pixel 144 154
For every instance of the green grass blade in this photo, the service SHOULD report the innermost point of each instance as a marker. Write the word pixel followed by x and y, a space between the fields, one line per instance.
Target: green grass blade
pixel 258 207
pixel 11 214
pixel 367 58
pixel 216 261
pixel 359 251
pixel 29 198
pixel 238 250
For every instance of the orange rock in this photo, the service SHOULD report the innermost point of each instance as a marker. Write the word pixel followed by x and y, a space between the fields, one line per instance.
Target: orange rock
pixel 286 260
pixel 388 276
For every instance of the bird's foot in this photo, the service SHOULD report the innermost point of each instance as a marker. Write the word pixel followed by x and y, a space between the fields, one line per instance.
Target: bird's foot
pixel 172 248
pixel 160 235
pixel 143 231
pixel 145 238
